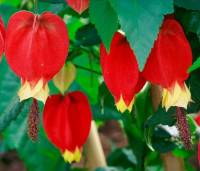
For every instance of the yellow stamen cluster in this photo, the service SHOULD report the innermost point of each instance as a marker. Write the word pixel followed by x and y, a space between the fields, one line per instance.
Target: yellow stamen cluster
pixel 72 156
pixel 39 91
pixel 177 96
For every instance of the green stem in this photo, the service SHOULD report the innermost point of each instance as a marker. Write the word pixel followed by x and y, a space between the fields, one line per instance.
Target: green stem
pixel 87 69
pixel 35 6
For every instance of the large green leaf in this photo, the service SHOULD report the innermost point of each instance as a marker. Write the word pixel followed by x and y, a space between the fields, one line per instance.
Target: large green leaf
pixel 6 11
pixel 9 85
pixel 188 4
pixel 105 20
pixel 141 20
pixel 39 155
pixel 10 113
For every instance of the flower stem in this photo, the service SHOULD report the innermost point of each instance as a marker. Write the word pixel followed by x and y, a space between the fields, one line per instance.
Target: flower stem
pixel 35 6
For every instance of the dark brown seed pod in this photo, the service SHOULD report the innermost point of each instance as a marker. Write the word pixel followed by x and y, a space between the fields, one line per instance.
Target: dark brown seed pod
pixel 33 121
pixel 183 128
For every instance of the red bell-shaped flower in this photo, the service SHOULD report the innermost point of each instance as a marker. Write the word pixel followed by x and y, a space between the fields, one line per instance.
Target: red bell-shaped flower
pixel 197 119
pixel 67 121
pixel 78 5
pixel 120 72
pixel 2 37
pixel 36 49
pixel 168 63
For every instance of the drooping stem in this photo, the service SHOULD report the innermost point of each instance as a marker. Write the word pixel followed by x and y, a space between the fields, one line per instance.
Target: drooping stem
pixel 35 6
pixel 183 127
pixel 87 69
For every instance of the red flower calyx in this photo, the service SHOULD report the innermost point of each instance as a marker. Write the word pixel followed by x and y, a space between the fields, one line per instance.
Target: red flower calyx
pixel 168 63
pixel 67 122
pixel 120 72
pixel 36 49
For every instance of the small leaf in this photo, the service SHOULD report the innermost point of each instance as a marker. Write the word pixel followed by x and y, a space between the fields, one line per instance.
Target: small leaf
pixel 87 36
pixel 105 20
pixel 65 77
pixel 195 65
pixel 188 4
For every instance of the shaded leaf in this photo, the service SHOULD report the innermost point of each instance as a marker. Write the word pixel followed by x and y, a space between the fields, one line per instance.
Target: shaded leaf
pixel 188 4
pixel 105 20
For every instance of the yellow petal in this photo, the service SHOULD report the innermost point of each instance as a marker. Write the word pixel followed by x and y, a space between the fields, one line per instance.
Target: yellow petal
pixel 122 107
pixel 39 91
pixel 178 96
pixel 65 77
pixel 72 156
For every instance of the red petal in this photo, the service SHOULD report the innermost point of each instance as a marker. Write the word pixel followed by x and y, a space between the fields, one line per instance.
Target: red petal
pixel 78 5
pixel 197 119
pixel 120 68
pixel 2 37
pixel 36 46
pixel 67 120
pixel 170 57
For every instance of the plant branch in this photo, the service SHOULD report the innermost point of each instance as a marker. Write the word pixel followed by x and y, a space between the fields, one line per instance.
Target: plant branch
pixel 35 6
pixel 87 69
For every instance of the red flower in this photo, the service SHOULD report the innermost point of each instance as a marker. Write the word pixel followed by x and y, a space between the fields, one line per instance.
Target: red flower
pixel 67 122
pixel 78 5
pixel 120 72
pixel 2 37
pixel 168 63
pixel 197 119
pixel 36 49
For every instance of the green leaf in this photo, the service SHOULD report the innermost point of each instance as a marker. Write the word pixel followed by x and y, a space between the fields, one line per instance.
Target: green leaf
pixel 11 112
pixel 161 140
pixel 195 65
pixel 87 36
pixel 105 20
pixel 162 117
pixel 55 8
pixel 141 20
pixel 13 2
pixel 194 84
pixel 9 85
pixel 53 1
pixel 38 156
pixel 126 157
pixel 188 4
pixel 6 11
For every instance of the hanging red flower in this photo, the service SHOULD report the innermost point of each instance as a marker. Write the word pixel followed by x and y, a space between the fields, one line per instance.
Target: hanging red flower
pixel 2 37
pixel 168 63
pixel 78 5
pixel 120 72
pixel 67 121
pixel 197 119
pixel 36 49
